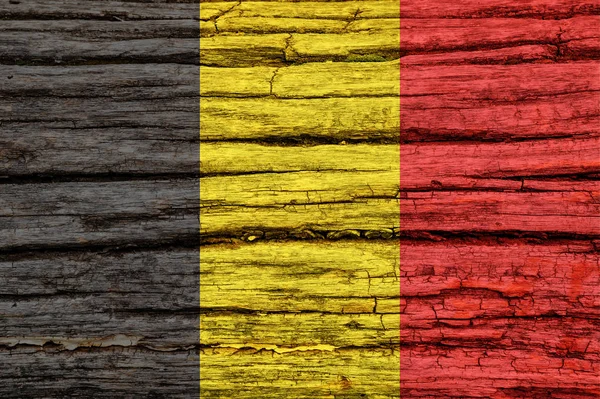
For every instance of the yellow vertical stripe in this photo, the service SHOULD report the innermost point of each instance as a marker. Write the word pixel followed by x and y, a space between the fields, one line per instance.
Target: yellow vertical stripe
pixel 299 264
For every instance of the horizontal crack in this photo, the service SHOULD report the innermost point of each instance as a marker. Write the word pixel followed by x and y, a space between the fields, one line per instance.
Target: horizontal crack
pixel 182 241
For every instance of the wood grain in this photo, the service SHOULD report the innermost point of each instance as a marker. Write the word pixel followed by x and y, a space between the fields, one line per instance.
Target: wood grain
pixel 82 29
pixel 295 151
pixel 487 312
pixel 497 189
pixel 334 262
pixel 561 9
pixel 54 48
pixel 233 371
pixel 99 10
pixel 101 372
pixel 74 300
pixel 99 105
pixel 302 276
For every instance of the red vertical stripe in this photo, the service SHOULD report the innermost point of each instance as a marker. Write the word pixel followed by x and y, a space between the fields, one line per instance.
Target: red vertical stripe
pixel 499 209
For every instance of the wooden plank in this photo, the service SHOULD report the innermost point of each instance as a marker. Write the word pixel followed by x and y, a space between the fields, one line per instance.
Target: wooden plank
pixel 334 204
pixel 304 373
pixel 237 82
pixel 292 25
pixel 444 286
pixel 382 79
pixel 574 38
pixel 85 321
pixel 439 371
pixel 570 213
pixel 145 197
pixel 335 119
pixel 443 103
pixel 551 9
pixel 173 113
pixel 341 277
pixel 448 167
pixel 474 9
pixel 135 137
pixel 96 213
pixel 373 79
pixel 437 35
pixel 501 83
pixel 242 51
pixel 581 46
pixel 498 9
pixel 309 47
pixel 286 331
pixel 439 103
pixel 446 205
pixel 147 299
pixel 487 212
pixel 211 11
pixel 500 166
pixel 432 167
pixel 366 215
pixel 119 82
pixel 111 279
pixel 346 10
pixel 554 278
pixel 136 306
pixel 536 212
pixel 516 167
pixel 326 80
pixel 277 49
pixel 73 232
pixel 101 373
pixel 300 188
pixel 56 48
pixel 433 118
pixel 98 10
pixel 82 29
pixel 419 36
pixel 59 149
pixel 261 23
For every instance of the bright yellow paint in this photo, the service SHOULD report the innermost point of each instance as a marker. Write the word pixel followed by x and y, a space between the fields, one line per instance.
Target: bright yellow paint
pixel 315 318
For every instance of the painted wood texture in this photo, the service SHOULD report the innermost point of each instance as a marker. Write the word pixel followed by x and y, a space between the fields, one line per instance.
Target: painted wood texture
pixel 99 116
pixel 499 125
pixel 498 195
pixel 299 199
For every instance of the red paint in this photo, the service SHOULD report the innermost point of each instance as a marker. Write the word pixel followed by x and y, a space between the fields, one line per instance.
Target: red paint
pixel 497 8
pixel 500 199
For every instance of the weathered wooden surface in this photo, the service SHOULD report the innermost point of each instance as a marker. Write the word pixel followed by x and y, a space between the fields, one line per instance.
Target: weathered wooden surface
pixel 99 199
pixel 495 283
pixel 499 145
pixel 299 205
pixel 98 10
pixel 115 371
pixel 304 292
